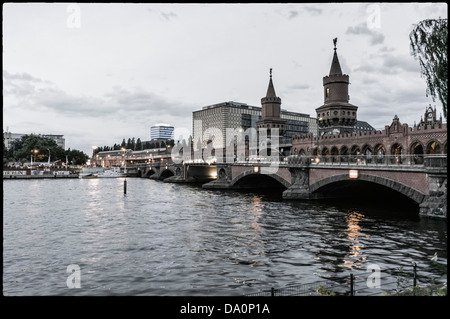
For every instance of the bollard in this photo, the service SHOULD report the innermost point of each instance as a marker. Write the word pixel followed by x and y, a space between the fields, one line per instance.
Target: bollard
pixel 352 292
pixel 125 186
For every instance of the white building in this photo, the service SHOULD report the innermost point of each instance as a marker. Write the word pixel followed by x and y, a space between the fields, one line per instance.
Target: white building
pixel 161 131
pixel 10 137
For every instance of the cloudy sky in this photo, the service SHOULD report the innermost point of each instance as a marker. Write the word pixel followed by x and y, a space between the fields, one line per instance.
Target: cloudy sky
pixel 98 73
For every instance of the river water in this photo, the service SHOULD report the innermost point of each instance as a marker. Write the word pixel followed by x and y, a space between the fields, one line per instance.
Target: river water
pixel 180 240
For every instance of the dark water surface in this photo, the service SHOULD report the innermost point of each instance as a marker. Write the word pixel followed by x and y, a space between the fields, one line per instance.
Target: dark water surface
pixel 178 240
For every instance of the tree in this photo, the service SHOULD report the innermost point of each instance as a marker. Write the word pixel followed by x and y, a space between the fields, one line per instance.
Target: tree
pixel 138 144
pixel 40 148
pixel 428 41
pixel 77 157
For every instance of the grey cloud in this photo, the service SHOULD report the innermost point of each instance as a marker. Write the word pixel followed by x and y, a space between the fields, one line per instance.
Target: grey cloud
pixel 390 64
pixel 39 94
pixel 293 14
pixel 304 9
pixel 145 102
pixel 21 84
pixel 313 10
pixel 168 15
pixel 362 29
pixel 299 87
pixel 398 63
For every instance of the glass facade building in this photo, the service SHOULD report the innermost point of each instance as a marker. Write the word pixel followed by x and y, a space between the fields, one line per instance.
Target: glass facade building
pixel 161 131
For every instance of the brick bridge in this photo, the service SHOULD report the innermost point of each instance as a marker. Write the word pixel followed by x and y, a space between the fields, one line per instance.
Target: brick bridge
pixel 304 178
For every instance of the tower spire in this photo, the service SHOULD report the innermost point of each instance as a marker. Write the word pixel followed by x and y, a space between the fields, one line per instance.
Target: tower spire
pixel 335 65
pixel 271 89
pixel 271 110
pixel 336 115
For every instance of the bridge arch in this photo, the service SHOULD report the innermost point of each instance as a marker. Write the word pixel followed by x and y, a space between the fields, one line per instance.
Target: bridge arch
pixel 403 189
pixel 166 173
pixel 149 173
pixel 258 176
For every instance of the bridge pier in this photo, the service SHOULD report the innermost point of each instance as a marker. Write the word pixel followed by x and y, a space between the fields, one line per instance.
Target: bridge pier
pixel 300 184
pixel 223 180
pixel 435 204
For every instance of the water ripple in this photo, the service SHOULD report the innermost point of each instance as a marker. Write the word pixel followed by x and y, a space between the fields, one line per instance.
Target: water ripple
pixel 169 239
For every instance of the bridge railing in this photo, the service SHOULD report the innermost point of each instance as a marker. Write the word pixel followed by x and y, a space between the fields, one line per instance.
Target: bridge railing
pixel 364 160
pixel 408 160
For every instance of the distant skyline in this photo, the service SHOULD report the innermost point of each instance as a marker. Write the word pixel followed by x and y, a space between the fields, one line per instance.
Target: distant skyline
pixel 98 73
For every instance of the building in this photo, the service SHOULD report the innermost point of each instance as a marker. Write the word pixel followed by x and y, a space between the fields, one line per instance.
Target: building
pixel 161 132
pixel 217 118
pixel 343 138
pixel 336 115
pixel 271 111
pixel 10 137
pixel 59 139
pixel 362 126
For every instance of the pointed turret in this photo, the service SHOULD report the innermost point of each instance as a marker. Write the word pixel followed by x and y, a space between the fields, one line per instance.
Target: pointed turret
pixel 336 114
pixel 271 110
pixel 271 89
pixel 335 65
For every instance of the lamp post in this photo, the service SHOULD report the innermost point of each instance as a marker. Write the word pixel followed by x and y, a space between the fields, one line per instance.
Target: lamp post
pixel 35 151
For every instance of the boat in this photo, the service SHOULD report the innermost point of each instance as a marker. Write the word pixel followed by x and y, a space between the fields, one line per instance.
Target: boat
pixel 90 172
pixel 111 173
pixel 87 175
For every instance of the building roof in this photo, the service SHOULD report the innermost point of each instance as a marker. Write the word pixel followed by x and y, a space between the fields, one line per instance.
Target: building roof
pixel 335 65
pixel 271 89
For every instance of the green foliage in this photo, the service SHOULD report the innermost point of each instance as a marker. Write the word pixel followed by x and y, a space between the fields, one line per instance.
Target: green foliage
pixel 76 157
pixel 36 146
pixel 321 290
pixel 428 41
pixel 40 148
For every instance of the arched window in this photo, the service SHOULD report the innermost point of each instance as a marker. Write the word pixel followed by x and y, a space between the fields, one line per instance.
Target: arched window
pixel 416 150
pixel 355 150
pixel 433 147
pixel 396 153
pixel 379 151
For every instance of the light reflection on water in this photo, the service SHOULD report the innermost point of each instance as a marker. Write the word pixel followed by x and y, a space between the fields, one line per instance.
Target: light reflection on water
pixel 354 231
pixel 170 239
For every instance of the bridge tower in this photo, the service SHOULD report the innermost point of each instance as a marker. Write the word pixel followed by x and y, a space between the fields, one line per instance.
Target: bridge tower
pixel 271 111
pixel 336 115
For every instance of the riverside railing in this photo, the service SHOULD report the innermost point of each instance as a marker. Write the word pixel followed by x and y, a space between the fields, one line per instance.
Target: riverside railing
pixel 398 281
pixel 408 160
pixel 365 160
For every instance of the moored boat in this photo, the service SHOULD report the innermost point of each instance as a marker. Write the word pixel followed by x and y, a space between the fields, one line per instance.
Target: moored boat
pixel 111 173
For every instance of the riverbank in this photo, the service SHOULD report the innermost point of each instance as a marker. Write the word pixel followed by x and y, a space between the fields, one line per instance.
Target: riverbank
pixel 47 176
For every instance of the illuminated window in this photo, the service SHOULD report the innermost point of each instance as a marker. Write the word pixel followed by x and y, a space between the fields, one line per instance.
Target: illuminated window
pixel 327 92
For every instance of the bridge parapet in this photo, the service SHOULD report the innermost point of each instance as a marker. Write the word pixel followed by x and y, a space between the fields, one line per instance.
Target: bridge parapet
pixel 435 204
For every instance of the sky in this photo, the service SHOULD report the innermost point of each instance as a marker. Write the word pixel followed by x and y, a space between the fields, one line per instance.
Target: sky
pixel 99 73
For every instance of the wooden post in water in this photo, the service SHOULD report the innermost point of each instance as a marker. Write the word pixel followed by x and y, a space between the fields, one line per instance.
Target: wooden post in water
pixel 125 186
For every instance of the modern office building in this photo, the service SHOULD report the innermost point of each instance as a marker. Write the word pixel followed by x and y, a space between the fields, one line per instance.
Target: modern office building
pixel 161 132
pixel 236 115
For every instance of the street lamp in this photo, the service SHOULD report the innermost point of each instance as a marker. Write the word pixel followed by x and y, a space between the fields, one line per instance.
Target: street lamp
pixel 35 151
